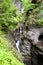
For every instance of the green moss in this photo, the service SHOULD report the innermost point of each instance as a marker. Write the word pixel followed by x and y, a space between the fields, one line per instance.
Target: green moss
pixel 6 56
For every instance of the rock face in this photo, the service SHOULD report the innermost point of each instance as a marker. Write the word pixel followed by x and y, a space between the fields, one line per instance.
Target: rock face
pixel 34 34
pixel 25 47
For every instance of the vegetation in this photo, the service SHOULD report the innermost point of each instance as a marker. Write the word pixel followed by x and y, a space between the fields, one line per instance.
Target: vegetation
pixel 9 16
pixel 6 55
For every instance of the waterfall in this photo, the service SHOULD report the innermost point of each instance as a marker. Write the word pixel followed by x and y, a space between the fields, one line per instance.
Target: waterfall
pixel 17 44
pixel 19 6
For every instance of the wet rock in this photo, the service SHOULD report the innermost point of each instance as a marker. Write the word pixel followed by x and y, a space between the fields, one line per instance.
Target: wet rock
pixel 36 35
pixel 41 35
pixel 25 47
pixel 26 61
pixel 33 35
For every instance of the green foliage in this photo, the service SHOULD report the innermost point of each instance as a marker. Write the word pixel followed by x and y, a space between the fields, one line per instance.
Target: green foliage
pixel 40 14
pixel 36 13
pixel 6 56
pixel 27 5
pixel 8 17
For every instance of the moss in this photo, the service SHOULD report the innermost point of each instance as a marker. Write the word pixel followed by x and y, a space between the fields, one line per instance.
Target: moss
pixel 6 55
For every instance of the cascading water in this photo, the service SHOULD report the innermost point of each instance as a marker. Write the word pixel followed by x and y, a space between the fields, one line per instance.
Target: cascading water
pixel 19 6
pixel 17 44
